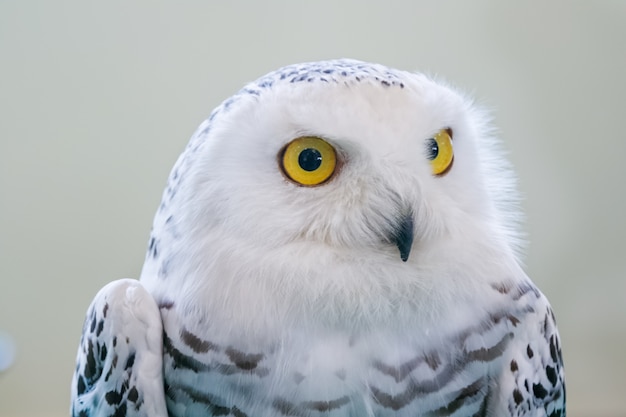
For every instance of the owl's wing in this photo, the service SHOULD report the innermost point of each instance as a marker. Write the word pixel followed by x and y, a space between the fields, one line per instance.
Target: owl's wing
pixel 119 369
pixel 532 382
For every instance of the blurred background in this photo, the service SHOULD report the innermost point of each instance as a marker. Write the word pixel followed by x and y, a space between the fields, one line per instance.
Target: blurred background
pixel 97 99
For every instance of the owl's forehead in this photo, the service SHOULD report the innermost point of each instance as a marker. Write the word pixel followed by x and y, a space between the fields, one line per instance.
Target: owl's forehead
pixel 338 84
pixel 333 72
pixel 333 76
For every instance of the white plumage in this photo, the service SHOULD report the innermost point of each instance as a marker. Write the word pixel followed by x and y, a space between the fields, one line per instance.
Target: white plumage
pixel 337 239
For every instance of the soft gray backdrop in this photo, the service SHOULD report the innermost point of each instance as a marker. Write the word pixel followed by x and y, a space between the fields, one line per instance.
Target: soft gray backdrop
pixel 97 99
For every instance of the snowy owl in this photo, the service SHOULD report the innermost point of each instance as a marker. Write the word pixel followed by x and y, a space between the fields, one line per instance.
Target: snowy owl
pixel 338 239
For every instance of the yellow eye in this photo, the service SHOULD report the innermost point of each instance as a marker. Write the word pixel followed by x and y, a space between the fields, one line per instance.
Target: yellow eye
pixel 440 152
pixel 309 160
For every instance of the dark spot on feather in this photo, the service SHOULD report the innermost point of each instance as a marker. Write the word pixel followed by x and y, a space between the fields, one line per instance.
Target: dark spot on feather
pixel 529 352
pixel 467 392
pixel 195 343
pixel 165 304
pixel 514 320
pixel 501 287
pixel 130 361
pixel 120 411
pixel 133 395
pixel 432 360
pixel 245 361
pixel 539 391
pixel 553 350
pixel 100 327
pixel 113 397
pixel 108 375
pixel 237 412
pixel 91 368
pixel 551 374
pixel 514 366
pixel 517 396
pixel 487 355
pixel 80 386
pixel 325 406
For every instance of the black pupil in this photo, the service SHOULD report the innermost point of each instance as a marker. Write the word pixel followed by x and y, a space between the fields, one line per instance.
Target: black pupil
pixel 310 159
pixel 432 149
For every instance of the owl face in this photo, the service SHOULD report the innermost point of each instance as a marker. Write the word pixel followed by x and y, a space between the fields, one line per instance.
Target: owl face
pixel 333 179
pixel 355 168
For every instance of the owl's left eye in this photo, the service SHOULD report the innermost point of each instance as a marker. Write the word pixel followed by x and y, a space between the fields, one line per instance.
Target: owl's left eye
pixel 309 160
pixel 440 152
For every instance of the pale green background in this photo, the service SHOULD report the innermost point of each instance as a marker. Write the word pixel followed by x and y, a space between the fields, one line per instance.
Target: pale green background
pixel 97 99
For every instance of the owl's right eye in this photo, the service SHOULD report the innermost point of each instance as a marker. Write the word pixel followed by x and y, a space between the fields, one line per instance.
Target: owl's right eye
pixel 308 160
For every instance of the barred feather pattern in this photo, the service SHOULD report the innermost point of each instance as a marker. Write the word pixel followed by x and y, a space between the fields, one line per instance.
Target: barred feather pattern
pixel 505 365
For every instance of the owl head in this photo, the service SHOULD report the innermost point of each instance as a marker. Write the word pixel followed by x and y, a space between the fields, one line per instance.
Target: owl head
pixel 335 179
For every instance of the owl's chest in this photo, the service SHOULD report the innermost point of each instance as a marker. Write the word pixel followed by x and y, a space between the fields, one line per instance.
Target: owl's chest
pixel 316 373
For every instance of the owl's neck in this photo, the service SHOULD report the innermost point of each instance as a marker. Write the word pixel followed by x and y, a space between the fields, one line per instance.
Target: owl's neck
pixel 282 288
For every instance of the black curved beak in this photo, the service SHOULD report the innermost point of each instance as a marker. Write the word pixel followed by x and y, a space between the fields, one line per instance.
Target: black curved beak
pixel 403 236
